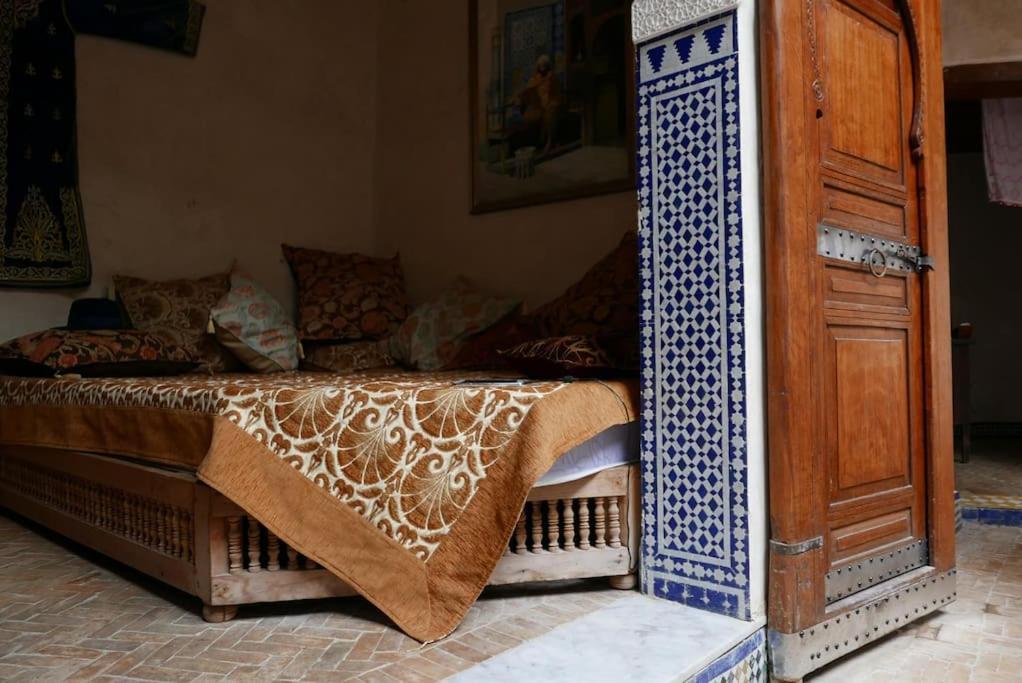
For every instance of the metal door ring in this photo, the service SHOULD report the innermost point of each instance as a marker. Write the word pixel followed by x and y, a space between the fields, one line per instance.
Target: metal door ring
pixel 878 269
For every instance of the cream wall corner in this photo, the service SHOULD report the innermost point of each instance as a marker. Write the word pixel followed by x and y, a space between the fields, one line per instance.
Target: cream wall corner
pixel 269 134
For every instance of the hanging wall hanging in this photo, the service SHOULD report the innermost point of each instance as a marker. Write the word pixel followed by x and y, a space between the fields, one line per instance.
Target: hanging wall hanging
pixel 42 228
pixel 166 24
pixel 42 232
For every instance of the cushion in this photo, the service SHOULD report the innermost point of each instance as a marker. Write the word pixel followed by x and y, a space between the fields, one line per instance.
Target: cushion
pixel 481 350
pixel 433 333
pixel 604 302
pixel 576 356
pixel 347 358
pixel 94 353
pixel 346 297
pixel 178 310
pixel 253 326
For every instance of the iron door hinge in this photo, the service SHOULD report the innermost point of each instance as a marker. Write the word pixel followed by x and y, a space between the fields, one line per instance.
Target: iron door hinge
pixel 879 255
pixel 919 261
pixel 782 548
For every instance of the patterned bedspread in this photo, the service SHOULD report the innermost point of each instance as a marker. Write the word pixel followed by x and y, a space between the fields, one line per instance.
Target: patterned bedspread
pixel 405 485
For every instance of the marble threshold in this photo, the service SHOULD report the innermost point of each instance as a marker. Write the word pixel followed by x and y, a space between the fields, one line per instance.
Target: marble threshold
pixel 633 639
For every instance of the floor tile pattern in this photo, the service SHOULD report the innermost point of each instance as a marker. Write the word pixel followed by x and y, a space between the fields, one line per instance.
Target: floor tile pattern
pixel 990 484
pixel 978 500
pixel 977 639
pixel 67 613
pixel 994 468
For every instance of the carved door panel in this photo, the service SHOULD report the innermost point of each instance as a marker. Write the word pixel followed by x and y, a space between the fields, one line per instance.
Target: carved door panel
pixel 858 376
pixel 869 313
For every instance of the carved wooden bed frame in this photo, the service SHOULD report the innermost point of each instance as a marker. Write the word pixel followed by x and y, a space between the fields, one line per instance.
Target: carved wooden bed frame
pixel 166 523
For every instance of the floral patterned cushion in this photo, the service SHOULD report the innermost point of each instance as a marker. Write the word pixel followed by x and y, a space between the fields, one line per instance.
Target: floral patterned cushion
pixel 253 326
pixel 604 302
pixel 576 356
pixel 94 353
pixel 178 310
pixel 433 333
pixel 351 357
pixel 481 350
pixel 346 297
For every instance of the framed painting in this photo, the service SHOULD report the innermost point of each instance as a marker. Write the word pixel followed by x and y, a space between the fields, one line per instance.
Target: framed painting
pixel 551 88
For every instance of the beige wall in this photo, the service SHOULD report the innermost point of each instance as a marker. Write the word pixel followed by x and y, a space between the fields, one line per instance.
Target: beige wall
pixel 985 240
pixel 978 31
pixel 268 135
pixel 342 126
pixel 422 175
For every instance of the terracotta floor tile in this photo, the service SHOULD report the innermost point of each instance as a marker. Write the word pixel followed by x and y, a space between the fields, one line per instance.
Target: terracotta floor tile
pixel 974 641
pixel 82 617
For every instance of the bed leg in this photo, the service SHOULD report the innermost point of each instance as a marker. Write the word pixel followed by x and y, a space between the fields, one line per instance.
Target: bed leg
pixel 217 614
pixel 625 582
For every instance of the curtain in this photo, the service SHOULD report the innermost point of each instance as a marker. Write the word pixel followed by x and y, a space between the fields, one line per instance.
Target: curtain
pixel 1002 150
pixel 42 232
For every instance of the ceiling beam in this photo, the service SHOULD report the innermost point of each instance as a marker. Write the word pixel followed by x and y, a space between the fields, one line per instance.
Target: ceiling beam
pixel 983 81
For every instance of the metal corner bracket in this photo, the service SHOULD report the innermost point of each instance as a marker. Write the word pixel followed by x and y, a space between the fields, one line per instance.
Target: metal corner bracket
pixel 782 548
pixel 793 655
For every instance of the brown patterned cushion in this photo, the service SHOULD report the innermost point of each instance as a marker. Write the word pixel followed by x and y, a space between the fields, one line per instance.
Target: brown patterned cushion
pixel 346 358
pixel 576 356
pixel 346 297
pixel 93 353
pixel 178 310
pixel 604 302
pixel 482 351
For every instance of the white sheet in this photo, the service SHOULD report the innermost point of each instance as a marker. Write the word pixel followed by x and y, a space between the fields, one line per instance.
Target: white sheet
pixel 615 446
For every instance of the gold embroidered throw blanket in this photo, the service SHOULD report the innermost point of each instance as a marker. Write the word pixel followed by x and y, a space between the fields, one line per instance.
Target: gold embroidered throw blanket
pixel 405 485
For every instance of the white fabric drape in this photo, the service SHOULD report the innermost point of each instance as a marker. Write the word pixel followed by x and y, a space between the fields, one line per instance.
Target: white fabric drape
pixel 1002 149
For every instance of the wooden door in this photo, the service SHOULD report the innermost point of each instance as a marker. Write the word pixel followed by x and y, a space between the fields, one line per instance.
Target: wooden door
pixel 860 455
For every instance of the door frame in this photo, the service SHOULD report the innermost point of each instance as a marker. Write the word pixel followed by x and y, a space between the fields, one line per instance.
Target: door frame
pixel 796 602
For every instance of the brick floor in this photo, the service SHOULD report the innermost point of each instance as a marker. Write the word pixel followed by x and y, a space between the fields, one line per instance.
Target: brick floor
pixel 976 639
pixel 993 469
pixel 68 613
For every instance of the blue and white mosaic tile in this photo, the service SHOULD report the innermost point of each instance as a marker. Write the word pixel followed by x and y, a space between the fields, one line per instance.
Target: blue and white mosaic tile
pixel 998 510
pixel 746 663
pixel 695 509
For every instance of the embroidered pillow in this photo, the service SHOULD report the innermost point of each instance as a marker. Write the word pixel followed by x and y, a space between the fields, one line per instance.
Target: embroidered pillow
pixel 253 326
pixel 576 356
pixel 604 302
pixel 481 350
pixel 93 353
pixel 346 297
pixel 433 333
pixel 178 310
pixel 348 358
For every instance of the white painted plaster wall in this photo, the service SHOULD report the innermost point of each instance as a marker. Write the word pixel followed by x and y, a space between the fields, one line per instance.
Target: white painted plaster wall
pixel 186 164
pixel 981 31
pixel 755 335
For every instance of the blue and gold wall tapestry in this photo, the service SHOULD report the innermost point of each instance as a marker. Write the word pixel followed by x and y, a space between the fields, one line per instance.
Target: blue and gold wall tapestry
pixel 42 229
pixel 42 233
pixel 166 24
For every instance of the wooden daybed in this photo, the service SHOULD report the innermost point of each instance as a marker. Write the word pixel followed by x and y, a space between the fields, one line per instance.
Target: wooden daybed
pixel 162 519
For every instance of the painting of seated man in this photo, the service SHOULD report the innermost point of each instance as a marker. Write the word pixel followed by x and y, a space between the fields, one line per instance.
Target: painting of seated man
pixel 552 93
